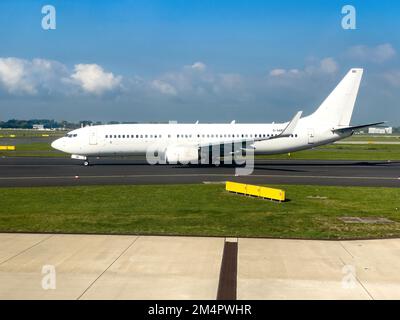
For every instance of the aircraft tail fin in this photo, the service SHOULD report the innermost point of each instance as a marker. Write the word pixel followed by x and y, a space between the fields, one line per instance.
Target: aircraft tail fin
pixel 337 108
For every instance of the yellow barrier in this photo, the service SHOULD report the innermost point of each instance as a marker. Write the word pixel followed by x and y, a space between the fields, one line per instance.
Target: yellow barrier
pixel 45 135
pixel 7 147
pixel 252 190
pixel 12 135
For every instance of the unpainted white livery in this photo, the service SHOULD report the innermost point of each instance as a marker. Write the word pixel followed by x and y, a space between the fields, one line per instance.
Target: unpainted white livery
pixel 181 143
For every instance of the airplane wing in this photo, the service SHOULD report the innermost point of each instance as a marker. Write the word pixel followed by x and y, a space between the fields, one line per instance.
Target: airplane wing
pixel 287 132
pixel 351 128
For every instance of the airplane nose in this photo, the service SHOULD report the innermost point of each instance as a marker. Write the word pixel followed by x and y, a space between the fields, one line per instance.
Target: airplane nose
pixel 56 144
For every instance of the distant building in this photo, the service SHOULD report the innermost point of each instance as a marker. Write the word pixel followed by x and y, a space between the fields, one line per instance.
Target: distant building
pixel 38 126
pixel 380 130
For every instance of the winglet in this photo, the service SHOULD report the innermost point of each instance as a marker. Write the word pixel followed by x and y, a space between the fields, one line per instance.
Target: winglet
pixel 291 126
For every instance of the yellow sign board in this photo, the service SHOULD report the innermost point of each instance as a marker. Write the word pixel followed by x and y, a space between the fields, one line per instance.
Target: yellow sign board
pixel 7 148
pixel 252 190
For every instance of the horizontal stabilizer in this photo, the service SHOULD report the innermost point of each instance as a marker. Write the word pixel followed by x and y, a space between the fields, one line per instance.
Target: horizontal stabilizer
pixel 351 128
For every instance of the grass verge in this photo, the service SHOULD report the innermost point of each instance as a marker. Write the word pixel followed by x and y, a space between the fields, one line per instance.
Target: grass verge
pixel 200 210
pixel 365 152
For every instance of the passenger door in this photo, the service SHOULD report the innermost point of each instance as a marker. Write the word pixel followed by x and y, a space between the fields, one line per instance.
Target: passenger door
pixel 92 137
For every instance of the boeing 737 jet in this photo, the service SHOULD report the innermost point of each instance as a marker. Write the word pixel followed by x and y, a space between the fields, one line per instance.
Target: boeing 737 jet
pixel 183 143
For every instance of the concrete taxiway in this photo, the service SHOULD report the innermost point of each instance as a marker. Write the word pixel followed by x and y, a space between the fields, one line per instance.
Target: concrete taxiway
pixel 32 171
pixel 49 266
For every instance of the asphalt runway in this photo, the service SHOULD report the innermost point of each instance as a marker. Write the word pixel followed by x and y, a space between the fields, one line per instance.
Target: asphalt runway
pixel 27 172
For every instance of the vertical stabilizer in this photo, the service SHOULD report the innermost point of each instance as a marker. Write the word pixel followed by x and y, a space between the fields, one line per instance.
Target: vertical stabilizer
pixel 338 107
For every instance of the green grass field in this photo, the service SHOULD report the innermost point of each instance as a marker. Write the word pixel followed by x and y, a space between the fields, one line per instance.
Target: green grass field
pixel 34 149
pixel 344 152
pixel 200 210
pixel 29 133
pixel 377 138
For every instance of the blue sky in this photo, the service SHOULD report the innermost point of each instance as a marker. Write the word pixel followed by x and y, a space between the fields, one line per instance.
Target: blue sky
pixel 194 60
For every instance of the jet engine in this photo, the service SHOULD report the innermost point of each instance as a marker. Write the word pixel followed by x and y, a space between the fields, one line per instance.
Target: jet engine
pixel 182 154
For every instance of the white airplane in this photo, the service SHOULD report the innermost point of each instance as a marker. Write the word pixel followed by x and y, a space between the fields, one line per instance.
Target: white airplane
pixel 183 143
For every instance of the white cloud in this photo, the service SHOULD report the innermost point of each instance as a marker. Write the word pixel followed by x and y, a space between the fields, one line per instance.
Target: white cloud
pixel 230 80
pixel 283 72
pixel 393 78
pixel 195 79
pixel 277 72
pixel 42 76
pixel 93 79
pixel 198 66
pixel 377 54
pixel 324 66
pixel 163 87
pixel 20 76
pixel 328 65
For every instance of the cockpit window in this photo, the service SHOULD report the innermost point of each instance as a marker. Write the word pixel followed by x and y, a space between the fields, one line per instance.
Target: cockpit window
pixel 70 135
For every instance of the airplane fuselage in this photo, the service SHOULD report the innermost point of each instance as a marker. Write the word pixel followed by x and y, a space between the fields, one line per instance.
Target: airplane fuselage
pixel 134 139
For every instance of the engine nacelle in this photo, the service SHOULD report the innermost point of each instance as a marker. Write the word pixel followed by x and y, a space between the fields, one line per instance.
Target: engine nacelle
pixel 182 155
